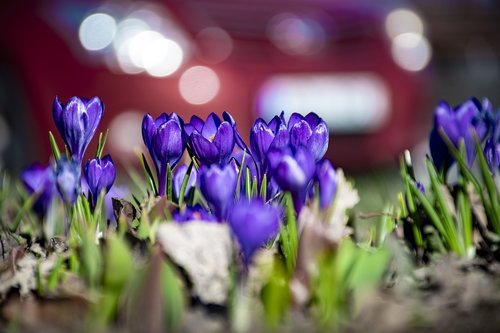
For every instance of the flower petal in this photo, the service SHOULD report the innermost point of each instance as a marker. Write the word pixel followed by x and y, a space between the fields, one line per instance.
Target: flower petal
pixel 327 183
pixel 224 141
pixel 57 109
pixel 294 118
pixel 168 143
pixel 318 142
pixel 194 124
pixel 261 138
pixel 217 186
pixel 204 150
pixel 210 127
pixel 254 224
pixel 300 133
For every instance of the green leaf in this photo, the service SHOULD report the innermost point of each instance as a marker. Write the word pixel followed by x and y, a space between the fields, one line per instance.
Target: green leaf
pixel 385 226
pixel 101 143
pixel 68 154
pixel 240 172
pixel 254 187
pixel 119 264
pixel 91 259
pixel 263 188
pixel 149 174
pixel 494 196
pixel 465 217
pixel 170 187
pixel 428 208
pixel 22 213
pixel 407 174
pixel 275 295
pixel 248 186
pixel 55 274
pixel 55 148
pixel 288 235
pixel 173 296
pixel 443 205
pixel 184 185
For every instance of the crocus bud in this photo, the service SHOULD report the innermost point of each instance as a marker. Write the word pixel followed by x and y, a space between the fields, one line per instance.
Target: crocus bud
pixel 254 224
pixel 68 179
pixel 458 123
pixel 100 175
pixel 327 183
pixel 212 141
pixel 218 184
pixel 40 179
pixel 264 136
pixel 77 121
pixel 165 140
pixel 309 132
pixel 292 171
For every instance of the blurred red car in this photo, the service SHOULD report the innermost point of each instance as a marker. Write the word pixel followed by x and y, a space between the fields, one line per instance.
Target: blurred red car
pixel 194 57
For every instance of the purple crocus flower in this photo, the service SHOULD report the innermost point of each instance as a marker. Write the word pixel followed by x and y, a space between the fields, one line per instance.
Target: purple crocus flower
pixel 327 183
pixel 77 121
pixel 40 179
pixel 458 123
pixel 265 136
pixel 68 179
pixel 195 213
pixel 212 141
pixel 179 175
pixel 254 224
pixel 218 184
pixel 492 147
pixel 292 171
pixel 164 138
pixel 239 140
pixel 310 132
pixel 100 175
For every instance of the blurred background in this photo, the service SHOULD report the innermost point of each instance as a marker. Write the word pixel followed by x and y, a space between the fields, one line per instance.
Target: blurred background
pixel 373 71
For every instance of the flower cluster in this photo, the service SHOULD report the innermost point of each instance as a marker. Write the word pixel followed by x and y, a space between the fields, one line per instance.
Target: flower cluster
pixel 77 122
pixel 462 124
pixel 225 181
pixel 241 186
pixel 469 135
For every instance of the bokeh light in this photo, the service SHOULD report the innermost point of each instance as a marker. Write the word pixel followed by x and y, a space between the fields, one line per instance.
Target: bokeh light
pixel 124 134
pixel 199 85
pixel 295 35
pixel 162 57
pixel 349 103
pixel 402 21
pixel 411 51
pixel 97 31
pixel 215 44
pixel 126 31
